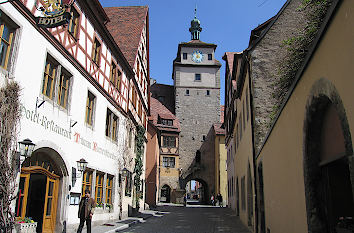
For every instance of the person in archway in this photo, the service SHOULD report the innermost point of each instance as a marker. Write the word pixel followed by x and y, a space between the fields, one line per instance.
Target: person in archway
pixel 184 200
pixel 86 208
pixel 212 199
pixel 219 197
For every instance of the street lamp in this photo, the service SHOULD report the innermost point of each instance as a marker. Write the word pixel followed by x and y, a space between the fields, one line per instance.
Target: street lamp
pixel 125 172
pixel 26 148
pixel 81 167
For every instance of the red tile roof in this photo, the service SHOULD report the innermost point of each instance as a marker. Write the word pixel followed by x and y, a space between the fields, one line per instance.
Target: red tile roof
pixel 219 128
pixel 229 58
pixel 158 109
pixel 126 25
pixel 222 110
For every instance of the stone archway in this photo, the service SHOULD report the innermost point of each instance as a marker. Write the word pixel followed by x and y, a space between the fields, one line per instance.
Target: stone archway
pixel 165 194
pixel 203 190
pixel 328 161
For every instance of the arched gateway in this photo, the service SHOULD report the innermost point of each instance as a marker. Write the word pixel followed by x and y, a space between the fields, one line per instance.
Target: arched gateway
pixel 328 162
pixel 39 197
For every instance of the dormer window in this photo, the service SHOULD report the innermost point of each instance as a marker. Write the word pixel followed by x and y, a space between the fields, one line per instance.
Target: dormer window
pixel 184 56
pixel 210 56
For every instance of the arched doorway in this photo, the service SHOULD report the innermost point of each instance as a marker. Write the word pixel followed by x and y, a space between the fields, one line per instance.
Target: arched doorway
pixel 165 194
pixel 328 165
pixel 197 192
pixel 39 189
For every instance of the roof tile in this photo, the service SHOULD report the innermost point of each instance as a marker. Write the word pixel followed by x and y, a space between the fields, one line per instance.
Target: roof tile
pixel 126 25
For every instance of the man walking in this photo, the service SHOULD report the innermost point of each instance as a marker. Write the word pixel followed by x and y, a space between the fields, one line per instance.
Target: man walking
pixel 86 208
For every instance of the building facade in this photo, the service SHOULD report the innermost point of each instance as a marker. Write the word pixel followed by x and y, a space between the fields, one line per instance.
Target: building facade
pixel 168 129
pixel 75 102
pixel 300 143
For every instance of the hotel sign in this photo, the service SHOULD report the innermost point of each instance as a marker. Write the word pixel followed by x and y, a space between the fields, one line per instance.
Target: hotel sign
pixel 54 13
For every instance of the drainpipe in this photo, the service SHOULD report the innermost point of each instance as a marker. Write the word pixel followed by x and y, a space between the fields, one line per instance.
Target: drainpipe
pixel 253 147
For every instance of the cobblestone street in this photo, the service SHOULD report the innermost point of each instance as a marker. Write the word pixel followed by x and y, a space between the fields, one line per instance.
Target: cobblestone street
pixel 193 219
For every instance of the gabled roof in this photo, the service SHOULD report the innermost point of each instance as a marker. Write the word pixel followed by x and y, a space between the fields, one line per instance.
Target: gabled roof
pixel 219 128
pixel 126 25
pixel 158 109
pixel 229 58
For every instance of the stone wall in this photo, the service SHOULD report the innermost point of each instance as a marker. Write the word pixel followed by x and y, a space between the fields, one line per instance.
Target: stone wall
pixel 265 59
pixel 196 112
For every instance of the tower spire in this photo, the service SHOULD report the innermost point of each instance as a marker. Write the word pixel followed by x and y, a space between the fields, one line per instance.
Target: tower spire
pixel 195 28
pixel 195 11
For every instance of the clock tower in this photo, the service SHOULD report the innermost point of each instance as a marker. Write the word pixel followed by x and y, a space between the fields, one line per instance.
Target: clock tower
pixel 196 76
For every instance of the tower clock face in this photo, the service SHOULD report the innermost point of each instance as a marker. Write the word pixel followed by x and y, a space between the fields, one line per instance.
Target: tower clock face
pixel 197 56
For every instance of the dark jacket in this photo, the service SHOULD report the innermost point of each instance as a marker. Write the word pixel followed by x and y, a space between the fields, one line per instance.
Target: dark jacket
pixel 89 208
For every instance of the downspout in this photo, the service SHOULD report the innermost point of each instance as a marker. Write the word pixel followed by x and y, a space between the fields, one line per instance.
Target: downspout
pixel 253 147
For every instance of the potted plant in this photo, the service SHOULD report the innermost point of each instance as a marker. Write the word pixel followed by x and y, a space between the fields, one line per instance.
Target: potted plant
pixel 109 207
pixel 25 225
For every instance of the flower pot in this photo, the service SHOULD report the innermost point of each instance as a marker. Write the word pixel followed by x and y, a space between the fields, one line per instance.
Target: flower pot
pixel 26 227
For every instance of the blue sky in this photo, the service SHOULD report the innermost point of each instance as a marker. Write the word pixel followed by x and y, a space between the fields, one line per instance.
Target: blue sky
pixel 227 23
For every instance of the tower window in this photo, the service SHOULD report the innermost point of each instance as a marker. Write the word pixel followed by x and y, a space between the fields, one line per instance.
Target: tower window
pixel 204 137
pixel 210 56
pixel 198 77
pixel 208 92
pixel 184 56
pixel 187 92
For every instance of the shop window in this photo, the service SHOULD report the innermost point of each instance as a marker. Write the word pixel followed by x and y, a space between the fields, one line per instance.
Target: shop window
pixel 169 141
pixel 50 72
pixel 96 50
pixel 74 23
pixel 111 125
pixel 168 162
pixel 184 56
pixel 89 108
pixel 99 188
pixel 86 182
pixel 197 77
pixel 7 36
pixel 63 90
pixel 109 186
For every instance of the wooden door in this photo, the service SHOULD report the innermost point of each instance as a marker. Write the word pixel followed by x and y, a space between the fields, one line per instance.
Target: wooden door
pixel 21 202
pixel 50 205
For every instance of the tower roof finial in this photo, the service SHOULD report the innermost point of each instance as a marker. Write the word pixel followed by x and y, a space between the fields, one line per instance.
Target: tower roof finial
pixel 195 11
pixel 195 28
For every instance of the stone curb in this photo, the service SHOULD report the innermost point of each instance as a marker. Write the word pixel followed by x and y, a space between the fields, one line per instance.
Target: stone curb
pixel 125 226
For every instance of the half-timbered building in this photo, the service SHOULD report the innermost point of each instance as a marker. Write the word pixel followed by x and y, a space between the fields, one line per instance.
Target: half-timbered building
pixel 82 98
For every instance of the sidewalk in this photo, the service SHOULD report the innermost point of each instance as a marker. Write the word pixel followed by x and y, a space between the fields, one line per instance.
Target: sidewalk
pixel 119 225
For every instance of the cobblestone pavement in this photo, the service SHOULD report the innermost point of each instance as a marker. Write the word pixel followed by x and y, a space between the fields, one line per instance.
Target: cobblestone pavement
pixel 190 219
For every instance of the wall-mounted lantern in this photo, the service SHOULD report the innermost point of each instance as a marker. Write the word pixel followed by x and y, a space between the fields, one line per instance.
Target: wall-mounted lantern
pixel 26 148
pixel 125 172
pixel 81 167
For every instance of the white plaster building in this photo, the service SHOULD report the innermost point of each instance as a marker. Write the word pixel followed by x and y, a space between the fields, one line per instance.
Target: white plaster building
pixel 75 102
